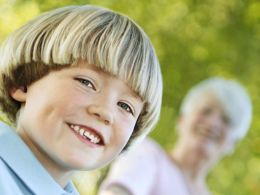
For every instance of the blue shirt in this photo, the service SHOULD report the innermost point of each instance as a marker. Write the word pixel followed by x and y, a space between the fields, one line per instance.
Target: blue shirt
pixel 21 173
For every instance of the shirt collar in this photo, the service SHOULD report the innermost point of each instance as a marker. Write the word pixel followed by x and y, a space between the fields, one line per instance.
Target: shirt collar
pixel 23 162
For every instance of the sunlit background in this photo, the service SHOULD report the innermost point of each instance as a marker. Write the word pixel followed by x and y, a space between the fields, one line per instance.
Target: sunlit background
pixel 194 40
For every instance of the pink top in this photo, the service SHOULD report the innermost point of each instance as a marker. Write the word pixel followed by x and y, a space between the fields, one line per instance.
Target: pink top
pixel 146 170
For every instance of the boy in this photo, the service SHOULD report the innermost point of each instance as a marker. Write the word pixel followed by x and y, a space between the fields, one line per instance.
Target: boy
pixel 78 84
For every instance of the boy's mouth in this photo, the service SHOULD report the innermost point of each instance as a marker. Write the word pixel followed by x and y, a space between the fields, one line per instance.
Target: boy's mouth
pixel 88 134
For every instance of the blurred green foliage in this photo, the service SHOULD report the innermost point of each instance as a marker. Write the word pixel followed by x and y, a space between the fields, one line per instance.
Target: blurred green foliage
pixel 194 40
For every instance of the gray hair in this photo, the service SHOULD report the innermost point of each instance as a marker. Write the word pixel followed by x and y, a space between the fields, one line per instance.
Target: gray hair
pixel 235 100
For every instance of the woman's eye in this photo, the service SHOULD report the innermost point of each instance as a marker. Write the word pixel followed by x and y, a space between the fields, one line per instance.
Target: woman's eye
pixel 125 107
pixel 226 120
pixel 206 111
pixel 86 82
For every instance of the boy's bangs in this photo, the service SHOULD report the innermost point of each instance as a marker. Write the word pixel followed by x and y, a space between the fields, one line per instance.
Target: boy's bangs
pixel 128 57
pixel 107 40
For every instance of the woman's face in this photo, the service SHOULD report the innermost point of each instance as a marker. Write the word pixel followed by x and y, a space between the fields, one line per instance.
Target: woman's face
pixel 206 129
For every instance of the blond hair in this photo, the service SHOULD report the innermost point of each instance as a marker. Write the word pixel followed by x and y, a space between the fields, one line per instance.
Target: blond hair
pixel 109 40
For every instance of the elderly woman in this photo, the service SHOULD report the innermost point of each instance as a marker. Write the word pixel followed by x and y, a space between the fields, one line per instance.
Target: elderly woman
pixel 214 116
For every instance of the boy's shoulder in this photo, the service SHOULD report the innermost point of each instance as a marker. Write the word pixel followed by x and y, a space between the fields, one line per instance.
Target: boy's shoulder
pixel 9 184
pixel 21 172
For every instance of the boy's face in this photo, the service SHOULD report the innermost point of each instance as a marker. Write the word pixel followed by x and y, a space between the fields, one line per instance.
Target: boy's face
pixel 78 117
pixel 206 129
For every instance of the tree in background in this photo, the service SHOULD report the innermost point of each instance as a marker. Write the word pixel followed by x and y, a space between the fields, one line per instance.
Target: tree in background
pixel 194 40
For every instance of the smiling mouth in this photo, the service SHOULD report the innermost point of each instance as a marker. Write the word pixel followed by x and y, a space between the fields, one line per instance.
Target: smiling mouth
pixel 207 134
pixel 88 134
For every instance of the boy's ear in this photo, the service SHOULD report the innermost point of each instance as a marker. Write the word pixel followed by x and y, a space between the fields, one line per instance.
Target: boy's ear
pixel 19 94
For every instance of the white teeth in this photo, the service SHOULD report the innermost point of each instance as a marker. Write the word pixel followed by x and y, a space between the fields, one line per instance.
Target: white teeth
pixel 81 132
pixel 76 128
pixel 87 134
pixel 93 138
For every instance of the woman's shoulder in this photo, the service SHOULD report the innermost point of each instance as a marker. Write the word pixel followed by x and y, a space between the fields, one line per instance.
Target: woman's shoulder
pixel 150 147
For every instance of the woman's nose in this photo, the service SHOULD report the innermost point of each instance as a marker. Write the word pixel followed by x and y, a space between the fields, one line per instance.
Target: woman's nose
pixel 215 121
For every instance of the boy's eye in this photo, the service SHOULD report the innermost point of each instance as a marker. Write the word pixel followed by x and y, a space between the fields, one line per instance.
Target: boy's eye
pixel 125 107
pixel 86 82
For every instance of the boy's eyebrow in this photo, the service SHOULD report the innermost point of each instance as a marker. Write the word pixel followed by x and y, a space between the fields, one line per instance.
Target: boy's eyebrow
pixel 93 67
pixel 135 94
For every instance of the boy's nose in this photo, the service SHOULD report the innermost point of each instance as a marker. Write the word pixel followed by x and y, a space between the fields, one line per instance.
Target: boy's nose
pixel 102 113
